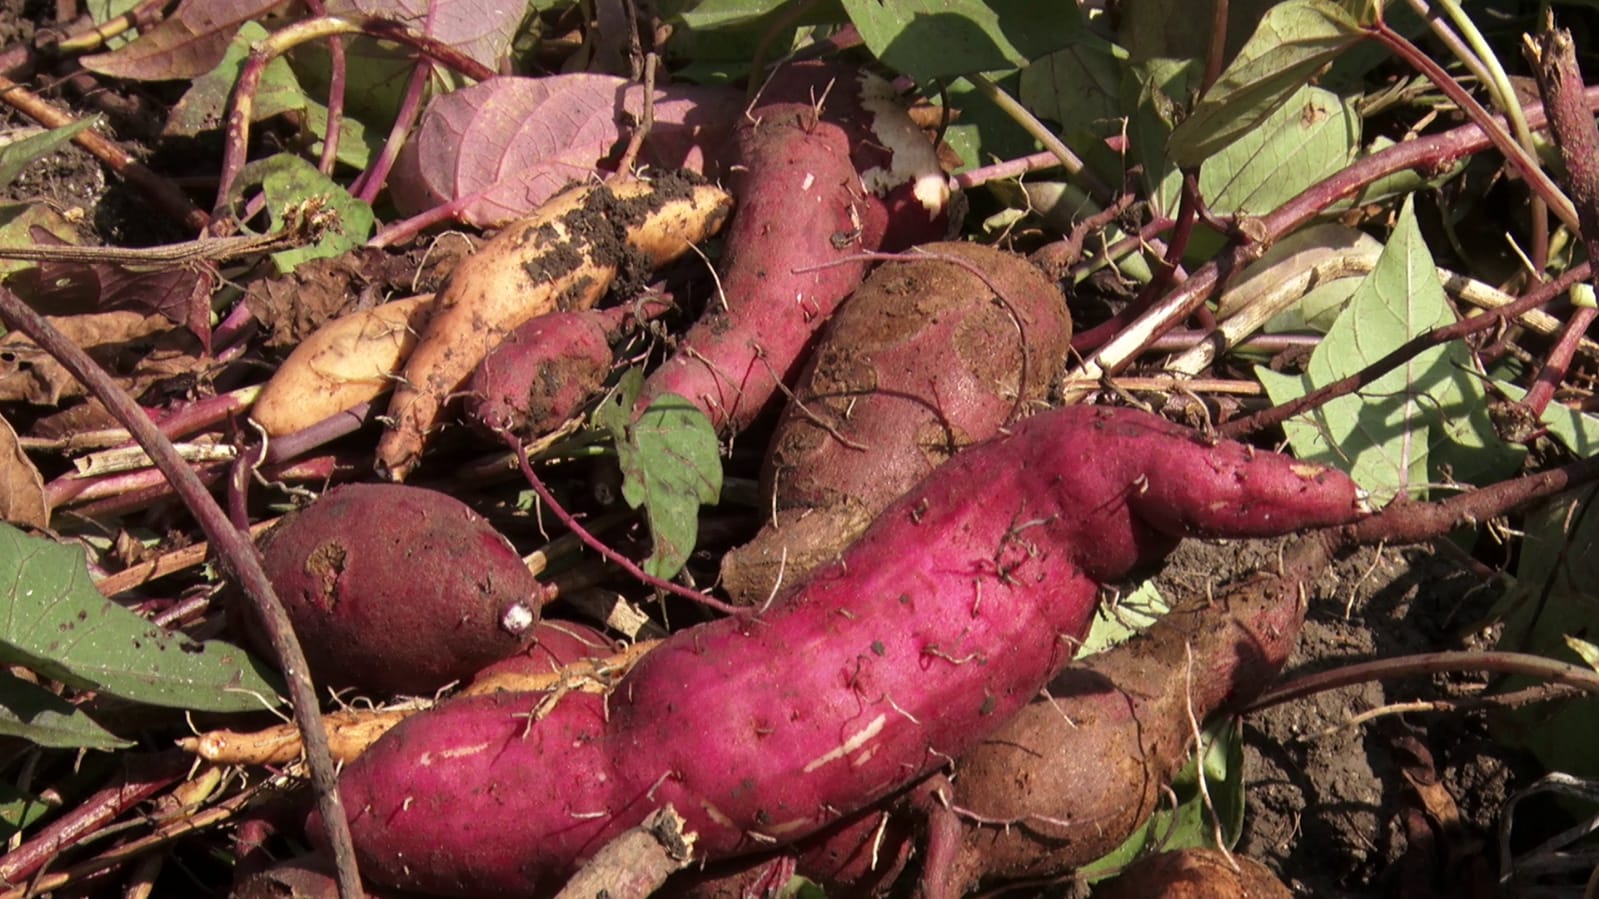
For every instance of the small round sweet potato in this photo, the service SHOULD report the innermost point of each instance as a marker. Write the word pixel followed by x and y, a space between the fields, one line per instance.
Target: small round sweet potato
pixel 398 589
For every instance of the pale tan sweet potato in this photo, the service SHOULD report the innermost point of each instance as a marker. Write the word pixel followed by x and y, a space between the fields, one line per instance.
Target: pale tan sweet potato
pixel 563 257
pixel 348 361
pixel 927 357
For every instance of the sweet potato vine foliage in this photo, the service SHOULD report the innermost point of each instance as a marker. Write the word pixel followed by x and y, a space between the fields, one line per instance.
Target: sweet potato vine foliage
pixel 870 357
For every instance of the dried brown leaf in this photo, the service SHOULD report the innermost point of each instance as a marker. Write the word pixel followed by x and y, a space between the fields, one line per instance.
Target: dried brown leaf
pixel 22 499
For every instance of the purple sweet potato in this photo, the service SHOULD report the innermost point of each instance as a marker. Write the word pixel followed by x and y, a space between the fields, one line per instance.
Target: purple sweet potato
pixel 398 589
pixel 924 359
pixel 943 620
pixel 828 166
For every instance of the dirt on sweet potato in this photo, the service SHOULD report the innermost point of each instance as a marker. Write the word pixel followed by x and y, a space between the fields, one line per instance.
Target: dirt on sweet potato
pixel 929 355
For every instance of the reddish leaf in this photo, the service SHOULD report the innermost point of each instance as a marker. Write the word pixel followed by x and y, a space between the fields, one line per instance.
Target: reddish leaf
pixel 186 44
pixel 504 146
pixel 482 29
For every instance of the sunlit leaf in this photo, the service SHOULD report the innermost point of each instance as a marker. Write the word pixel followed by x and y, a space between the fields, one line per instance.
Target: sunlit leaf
pixel 671 465
pixel 58 625
pixel 1311 136
pixel 1294 40
pixel 1383 433
pixel 929 39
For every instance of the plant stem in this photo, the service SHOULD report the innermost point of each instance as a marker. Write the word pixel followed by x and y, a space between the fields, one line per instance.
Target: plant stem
pixel 1427 664
pixel 1537 179
pixel 1421 153
pixel 1554 59
pixel 237 554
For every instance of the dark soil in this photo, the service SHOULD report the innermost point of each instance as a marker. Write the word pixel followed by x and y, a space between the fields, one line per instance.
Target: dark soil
pixel 1330 806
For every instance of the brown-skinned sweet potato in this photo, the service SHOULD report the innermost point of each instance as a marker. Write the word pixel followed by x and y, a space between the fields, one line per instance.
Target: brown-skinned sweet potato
pixel 944 619
pixel 928 356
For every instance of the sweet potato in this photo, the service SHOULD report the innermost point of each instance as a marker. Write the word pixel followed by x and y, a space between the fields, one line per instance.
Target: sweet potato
pixel 397 589
pixel 944 619
pixel 829 165
pixel 565 256
pixel 924 359
pixel 1073 774
pixel 547 368
pixel 1195 874
pixel 347 361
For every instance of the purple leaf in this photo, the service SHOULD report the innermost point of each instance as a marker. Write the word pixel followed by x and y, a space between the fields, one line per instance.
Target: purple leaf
pixel 500 148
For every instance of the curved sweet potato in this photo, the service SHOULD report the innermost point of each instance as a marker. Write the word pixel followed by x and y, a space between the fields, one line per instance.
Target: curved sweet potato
pixel 927 357
pixel 398 589
pixel 829 165
pixel 1041 796
pixel 940 622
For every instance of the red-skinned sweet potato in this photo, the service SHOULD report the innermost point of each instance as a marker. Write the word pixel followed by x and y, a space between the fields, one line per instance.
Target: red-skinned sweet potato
pixel 398 589
pixel 1041 797
pixel 943 620
pixel 548 368
pixel 925 358
pixel 828 166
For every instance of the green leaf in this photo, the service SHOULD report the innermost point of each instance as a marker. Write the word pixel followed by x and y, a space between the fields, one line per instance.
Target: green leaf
pixel 290 182
pixel 1383 434
pixel 930 39
pixel 1078 86
pixel 1310 137
pixel 1188 826
pixel 58 625
pixel 17 155
pixel 671 465
pixel 1294 40
pixel 1131 614
pixel 984 132
pixel 203 106
pixel 1153 91
pixel 33 713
